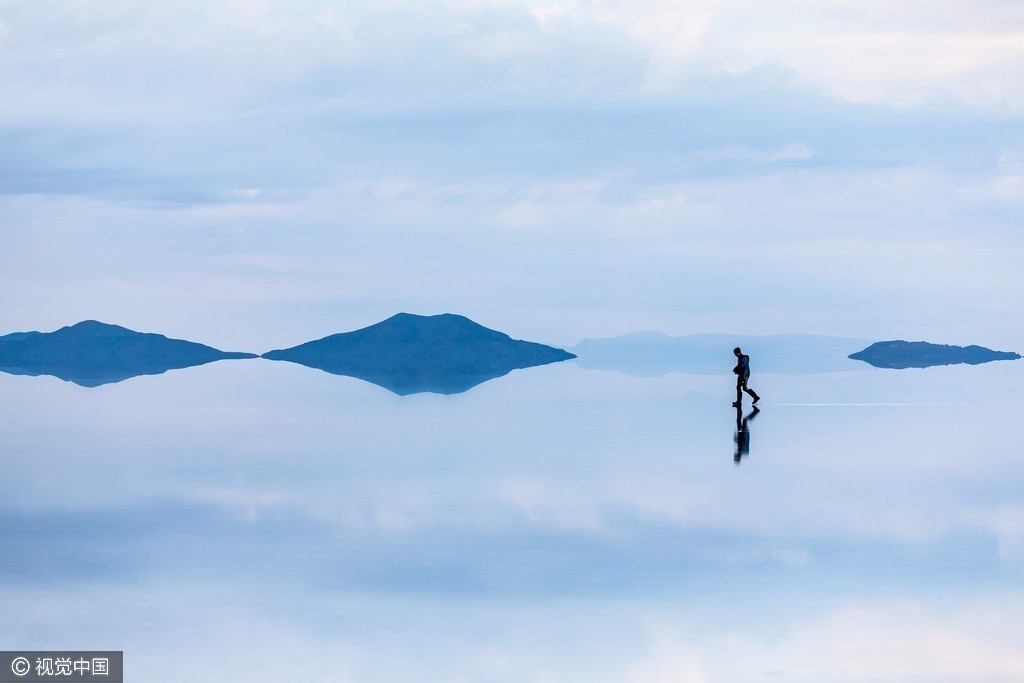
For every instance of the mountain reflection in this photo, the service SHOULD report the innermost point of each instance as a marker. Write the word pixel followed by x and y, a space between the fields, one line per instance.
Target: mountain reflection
pixel 92 354
pixel 410 379
pixel 410 354
pixel 90 376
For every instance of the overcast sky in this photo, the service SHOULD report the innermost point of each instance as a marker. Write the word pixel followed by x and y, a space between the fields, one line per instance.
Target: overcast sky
pixel 255 174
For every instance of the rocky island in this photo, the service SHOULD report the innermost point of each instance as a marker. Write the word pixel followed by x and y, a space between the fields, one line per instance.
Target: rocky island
pixel 92 353
pixel 901 354
pixel 407 354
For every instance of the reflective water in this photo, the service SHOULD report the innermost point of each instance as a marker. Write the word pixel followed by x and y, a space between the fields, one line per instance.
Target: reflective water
pixel 263 521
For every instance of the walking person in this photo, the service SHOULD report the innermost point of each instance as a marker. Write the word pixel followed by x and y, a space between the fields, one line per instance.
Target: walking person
pixel 742 371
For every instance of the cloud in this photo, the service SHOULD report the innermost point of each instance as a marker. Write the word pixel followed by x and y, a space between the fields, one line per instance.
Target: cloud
pixel 116 61
pixel 908 54
pixel 548 17
pixel 870 641
pixel 742 154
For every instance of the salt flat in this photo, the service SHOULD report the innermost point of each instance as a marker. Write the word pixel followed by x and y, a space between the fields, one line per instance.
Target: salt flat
pixel 556 524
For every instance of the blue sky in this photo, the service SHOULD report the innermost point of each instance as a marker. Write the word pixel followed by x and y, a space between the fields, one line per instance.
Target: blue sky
pixel 257 174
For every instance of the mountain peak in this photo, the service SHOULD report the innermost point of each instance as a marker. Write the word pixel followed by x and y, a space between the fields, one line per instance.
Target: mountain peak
pixel 410 353
pixel 440 320
pixel 95 328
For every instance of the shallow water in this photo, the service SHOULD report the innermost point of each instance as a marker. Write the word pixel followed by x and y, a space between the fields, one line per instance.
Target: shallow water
pixel 260 521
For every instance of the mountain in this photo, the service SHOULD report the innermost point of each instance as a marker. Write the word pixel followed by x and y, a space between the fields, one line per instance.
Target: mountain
pixel 18 336
pixel 653 354
pixel 92 353
pixel 901 354
pixel 408 354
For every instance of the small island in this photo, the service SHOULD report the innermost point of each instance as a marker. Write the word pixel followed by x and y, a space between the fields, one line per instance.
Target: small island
pixel 407 354
pixel 901 354
pixel 92 353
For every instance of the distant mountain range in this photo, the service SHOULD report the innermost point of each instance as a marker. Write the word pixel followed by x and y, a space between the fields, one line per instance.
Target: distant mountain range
pixel 92 353
pixel 903 354
pixel 407 354
pixel 653 354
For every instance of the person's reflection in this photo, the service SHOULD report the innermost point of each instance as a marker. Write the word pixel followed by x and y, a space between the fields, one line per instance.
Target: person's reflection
pixel 742 437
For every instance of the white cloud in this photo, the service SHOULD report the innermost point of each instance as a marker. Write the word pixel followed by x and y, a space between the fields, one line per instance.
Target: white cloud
pixel 107 57
pixel 548 17
pixel 906 642
pixel 740 153
pixel 873 640
pixel 668 659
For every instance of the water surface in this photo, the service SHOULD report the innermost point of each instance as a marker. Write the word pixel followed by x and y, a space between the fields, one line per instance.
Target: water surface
pixel 265 521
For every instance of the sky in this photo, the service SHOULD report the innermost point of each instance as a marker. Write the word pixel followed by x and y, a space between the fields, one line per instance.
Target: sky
pixel 255 174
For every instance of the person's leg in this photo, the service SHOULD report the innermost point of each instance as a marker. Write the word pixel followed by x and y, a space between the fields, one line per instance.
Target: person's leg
pixel 739 390
pixel 753 394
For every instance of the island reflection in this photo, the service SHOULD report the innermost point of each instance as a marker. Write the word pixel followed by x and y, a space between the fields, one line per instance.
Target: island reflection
pixel 91 354
pixel 410 354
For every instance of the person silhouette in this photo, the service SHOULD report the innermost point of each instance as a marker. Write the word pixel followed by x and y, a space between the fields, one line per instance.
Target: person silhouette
pixel 742 437
pixel 742 371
